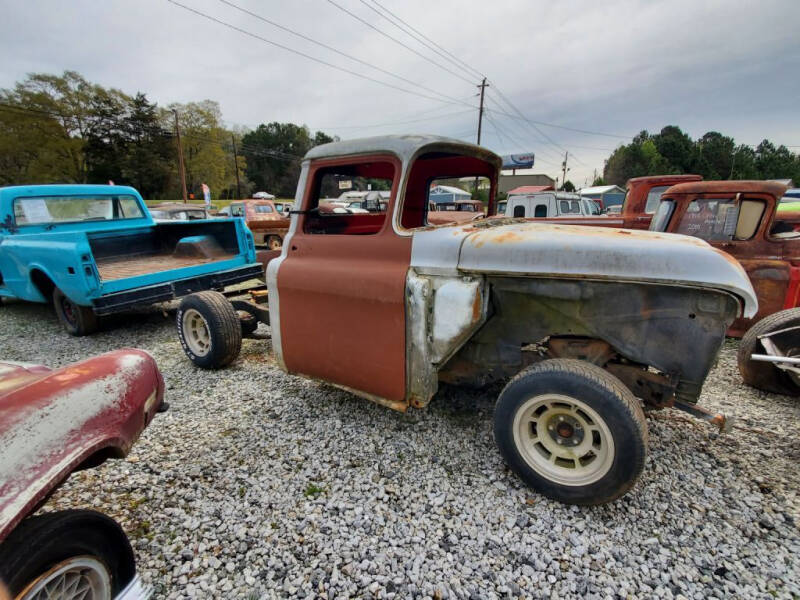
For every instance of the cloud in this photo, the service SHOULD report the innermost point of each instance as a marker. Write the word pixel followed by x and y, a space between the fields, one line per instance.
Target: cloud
pixel 617 66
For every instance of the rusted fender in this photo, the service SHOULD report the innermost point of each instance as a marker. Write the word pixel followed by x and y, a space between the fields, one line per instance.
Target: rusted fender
pixel 496 246
pixel 53 421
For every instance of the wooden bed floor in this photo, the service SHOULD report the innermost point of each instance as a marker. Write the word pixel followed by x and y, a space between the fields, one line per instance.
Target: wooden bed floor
pixel 121 268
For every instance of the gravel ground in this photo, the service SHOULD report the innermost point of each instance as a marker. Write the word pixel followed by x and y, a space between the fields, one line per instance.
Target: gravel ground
pixel 256 484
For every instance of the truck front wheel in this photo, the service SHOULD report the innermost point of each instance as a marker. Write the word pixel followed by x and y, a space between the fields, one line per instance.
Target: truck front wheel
pixel 209 329
pixel 572 431
pixel 77 320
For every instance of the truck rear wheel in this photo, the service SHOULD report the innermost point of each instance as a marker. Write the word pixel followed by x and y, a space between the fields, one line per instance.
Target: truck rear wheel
pixel 572 431
pixel 80 550
pixel 77 320
pixel 209 329
pixel 763 375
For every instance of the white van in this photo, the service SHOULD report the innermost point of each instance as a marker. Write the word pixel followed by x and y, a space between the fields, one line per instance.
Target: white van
pixel 550 204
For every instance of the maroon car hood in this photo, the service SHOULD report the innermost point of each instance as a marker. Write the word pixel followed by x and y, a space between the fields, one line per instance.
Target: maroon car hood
pixel 52 421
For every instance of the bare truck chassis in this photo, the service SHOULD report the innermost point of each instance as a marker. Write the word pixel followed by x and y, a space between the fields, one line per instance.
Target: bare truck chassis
pixel 583 324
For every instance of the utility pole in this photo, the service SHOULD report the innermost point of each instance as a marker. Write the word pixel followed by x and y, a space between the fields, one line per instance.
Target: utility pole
pixel 236 168
pixel 564 170
pixel 483 86
pixel 180 157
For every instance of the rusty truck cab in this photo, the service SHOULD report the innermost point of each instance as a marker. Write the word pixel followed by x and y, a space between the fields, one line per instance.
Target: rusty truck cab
pixel 342 276
pixel 740 218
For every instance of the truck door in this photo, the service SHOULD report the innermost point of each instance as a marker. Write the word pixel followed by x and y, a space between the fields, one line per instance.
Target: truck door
pixel 341 285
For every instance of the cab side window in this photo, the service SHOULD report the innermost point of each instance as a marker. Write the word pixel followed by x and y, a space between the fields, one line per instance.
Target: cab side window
pixel 331 212
pixel 540 211
pixel 519 210
pixel 237 210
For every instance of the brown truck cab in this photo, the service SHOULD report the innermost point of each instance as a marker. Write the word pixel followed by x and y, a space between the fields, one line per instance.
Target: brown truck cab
pixel 266 221
pixel 740 217
pixel 643 195
pixel 579 323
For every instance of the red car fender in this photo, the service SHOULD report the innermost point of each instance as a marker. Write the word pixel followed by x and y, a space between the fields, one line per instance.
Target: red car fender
pixel 51 422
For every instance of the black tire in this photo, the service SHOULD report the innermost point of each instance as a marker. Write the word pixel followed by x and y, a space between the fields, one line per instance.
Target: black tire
pixel 77 320
pixel 603 393
pixel 39 543
pixel 223 328
pixel 764 375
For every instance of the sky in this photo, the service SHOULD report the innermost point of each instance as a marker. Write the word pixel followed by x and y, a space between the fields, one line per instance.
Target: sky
pixel 614 67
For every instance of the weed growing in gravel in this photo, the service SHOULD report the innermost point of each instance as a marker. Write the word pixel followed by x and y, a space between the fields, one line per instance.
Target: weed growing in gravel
pixel 313 490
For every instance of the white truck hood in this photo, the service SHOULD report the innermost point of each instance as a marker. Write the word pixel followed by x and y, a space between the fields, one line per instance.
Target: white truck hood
pixel 500 247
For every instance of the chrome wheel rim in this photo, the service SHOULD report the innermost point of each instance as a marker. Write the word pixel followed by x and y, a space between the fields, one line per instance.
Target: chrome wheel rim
pixel 196 332
pixel 563 439
pixel 77 578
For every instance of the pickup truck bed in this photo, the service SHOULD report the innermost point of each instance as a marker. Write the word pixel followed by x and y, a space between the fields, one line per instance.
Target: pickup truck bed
pixel 124 267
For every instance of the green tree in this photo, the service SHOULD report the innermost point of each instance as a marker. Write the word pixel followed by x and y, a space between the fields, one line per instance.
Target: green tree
pixel 273 153
pixel 150 155
pixel 568 186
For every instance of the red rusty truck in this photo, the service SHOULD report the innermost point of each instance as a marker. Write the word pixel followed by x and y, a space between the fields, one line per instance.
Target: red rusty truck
pixel 740 217
pixel 266 221
pixel 580 323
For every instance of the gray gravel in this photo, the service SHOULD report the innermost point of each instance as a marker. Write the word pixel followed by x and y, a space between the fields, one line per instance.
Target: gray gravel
pixel 256 484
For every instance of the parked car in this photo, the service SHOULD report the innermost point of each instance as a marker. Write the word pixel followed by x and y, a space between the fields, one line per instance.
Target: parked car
pixel 439 214
pixel 283 207
pixel 581 323
pixel 94 250
pixel 52 423
pixel 769 353
pixel 263 196
pixel 176 211
pixel 542 205
pixel 740 218
pixel 268 224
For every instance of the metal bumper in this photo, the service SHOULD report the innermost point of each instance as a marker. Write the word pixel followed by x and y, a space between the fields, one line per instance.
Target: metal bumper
pixel 175 289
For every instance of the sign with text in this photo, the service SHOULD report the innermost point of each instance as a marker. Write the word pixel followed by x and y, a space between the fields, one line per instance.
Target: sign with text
pixel 518 161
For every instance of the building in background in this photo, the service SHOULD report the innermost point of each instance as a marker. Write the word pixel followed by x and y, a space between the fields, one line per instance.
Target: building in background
pixel 530 189
pixel 448 193
pixel 506 183
pixel 604 195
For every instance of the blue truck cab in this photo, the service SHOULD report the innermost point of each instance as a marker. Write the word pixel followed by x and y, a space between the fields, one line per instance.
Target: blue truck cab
pixel 95 250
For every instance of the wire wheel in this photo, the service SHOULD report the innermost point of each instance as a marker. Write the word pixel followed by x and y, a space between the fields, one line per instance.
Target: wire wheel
pixel 563 439
pixel 77 578
pixel 196 332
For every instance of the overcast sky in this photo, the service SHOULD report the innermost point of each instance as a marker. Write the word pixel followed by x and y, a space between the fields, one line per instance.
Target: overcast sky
pixel 616 66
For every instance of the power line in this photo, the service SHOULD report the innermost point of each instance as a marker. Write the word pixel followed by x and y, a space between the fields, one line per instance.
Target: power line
pixel 463 112
pixel 304 55
pixel 411 35
pixel 332 49
pixel 395 40
pixel 533 125
pixel 475 72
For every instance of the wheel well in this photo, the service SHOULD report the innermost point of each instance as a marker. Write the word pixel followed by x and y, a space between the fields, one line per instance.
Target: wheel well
pixel 99 457
pixel 43 283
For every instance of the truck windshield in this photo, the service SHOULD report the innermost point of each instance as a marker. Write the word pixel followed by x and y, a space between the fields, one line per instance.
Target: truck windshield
pixel 721 219
pixel 74 209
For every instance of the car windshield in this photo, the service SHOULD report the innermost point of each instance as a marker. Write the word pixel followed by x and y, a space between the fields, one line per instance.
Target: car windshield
pixel 262 208
pixel 75 209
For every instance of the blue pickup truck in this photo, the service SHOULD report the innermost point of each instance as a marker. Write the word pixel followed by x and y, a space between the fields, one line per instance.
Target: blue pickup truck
pixel 95 250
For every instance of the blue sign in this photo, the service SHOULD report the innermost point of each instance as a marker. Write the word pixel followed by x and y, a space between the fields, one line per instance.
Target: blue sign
pixel 518 161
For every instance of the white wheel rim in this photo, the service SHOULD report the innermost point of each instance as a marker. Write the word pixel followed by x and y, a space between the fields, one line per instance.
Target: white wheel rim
pixel 77 578
pixel 196 332
pixel 563 439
